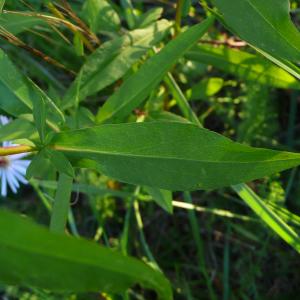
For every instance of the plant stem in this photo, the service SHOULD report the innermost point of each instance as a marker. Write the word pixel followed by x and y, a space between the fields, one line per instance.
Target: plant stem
pixel 4 151
pixel 205 6
pixel 142 236
pixel 61 205
pixel 181 99
pixel 178 17
pixel 200 248
pixel 125 233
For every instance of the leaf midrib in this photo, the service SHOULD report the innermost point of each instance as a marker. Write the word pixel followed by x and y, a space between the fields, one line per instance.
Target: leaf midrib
pixel 122 154
pixel 272 26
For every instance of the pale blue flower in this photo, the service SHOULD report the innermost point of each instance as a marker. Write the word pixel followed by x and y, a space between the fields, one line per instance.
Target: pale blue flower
pixel 12 168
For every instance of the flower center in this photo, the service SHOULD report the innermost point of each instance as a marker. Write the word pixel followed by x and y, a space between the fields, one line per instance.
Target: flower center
pixel 3 162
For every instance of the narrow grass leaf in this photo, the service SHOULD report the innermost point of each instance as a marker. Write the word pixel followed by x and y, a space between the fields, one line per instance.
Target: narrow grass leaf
pixel 268 216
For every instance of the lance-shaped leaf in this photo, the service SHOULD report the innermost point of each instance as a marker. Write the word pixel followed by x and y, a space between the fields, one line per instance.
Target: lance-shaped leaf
pixel 171 156
pixel 101 15
pixel 31 255
pixel 244 65
pixel 134 90
pixel 112 60
pixel 18 93
pixel 264 24
pixel 16 24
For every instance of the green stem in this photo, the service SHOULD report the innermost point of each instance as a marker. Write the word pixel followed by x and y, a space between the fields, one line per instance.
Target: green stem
pixel 205 6
pixel 200 247
pixel 226 266
pixel 142 236
pixel 178 17
pixel 61 204
pixel 181 99
pixel 125 233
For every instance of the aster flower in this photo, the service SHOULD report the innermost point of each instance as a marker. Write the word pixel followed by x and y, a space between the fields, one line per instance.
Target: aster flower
pixel 12 167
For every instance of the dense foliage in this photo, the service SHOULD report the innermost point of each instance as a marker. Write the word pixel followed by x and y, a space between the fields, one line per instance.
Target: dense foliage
pixel 149 149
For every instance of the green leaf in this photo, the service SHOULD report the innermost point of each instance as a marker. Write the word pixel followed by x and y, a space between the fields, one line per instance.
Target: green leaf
pixel 2 3
pixel 39 116
pixel 163 198
pixel 171 156
pixel 206 88
pixel 268 216
pixel 149 17
pixel 34 169
pixel 61 206
pixel 101 16
pixel 78 44
pixel 60 162
pixel 20 92
pixel 243 65
pixel 165 116
pixel 129 13
pixel 16 24
pixel 187 4
pixel 112 60
pixel 17 129
pixel 134 90
pixel 31 255
pixel 264 24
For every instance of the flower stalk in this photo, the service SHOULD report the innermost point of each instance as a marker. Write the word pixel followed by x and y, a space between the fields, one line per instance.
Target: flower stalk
pixel 11 150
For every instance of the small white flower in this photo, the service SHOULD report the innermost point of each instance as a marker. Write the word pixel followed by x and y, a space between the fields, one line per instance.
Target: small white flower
pixel 12 168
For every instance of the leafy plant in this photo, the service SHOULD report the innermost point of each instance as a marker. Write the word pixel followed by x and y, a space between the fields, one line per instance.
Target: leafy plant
pixel 119 95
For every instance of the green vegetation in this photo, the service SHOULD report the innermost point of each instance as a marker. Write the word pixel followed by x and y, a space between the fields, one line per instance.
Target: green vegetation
pixel 150 149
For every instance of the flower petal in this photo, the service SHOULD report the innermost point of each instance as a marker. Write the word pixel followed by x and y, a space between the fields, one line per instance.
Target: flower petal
pixel 3 184
pixel 4 120
pixel 19 175
pixel 20 166
pixel 17 156
pixel 12 181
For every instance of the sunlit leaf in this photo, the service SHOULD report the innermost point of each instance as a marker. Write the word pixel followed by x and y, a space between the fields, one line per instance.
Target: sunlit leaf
pixel 171 156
